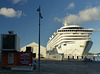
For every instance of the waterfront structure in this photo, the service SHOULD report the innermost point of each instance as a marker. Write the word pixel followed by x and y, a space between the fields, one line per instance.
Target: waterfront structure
pixel 10 42
pixel 35 49
pixel 70 40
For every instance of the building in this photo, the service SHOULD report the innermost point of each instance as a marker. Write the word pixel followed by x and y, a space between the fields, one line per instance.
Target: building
pixel 35 49
pixel 9 47
pixel 10 42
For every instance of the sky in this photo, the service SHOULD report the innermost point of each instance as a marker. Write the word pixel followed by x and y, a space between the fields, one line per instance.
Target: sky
pixel 21 16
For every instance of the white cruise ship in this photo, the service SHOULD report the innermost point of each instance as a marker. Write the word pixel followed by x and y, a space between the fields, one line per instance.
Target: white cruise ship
pixel 70 40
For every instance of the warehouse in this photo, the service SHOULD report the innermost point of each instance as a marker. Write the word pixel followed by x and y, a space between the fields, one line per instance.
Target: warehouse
pixel 35 49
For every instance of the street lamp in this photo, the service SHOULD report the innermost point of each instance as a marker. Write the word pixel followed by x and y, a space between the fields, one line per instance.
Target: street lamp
pixel 40 17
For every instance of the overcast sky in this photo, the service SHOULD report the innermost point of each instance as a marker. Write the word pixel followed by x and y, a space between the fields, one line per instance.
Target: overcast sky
pixel 21 16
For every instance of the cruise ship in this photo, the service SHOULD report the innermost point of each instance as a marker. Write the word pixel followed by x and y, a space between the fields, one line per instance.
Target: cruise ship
pixel 70 40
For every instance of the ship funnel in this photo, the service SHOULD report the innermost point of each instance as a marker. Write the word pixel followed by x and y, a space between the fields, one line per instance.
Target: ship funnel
pixel 65 23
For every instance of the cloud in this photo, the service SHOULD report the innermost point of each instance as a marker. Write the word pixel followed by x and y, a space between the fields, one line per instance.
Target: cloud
pixel 72 19
pixel 89 14
pixel 57 19
pixel 96 30
pixel 10 12
pixel 70 6
pixel 17 1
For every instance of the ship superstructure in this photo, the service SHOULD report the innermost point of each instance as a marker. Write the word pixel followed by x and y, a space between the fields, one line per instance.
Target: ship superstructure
pixel 70 40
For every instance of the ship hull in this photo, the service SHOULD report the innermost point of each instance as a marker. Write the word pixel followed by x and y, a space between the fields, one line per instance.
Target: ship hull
pixel 74 48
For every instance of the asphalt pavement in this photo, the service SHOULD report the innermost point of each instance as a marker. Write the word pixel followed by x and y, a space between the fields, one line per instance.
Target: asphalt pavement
pixel 61 67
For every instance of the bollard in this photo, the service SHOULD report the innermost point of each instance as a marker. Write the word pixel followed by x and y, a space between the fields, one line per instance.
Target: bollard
pixel 72 57
pixel 82 57
pixel 77 58
pixel 68 57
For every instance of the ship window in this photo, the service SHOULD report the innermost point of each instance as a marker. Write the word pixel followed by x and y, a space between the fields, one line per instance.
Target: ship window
pixel 64 44
pixel 58 30
pixel 75 33
pixel 74 28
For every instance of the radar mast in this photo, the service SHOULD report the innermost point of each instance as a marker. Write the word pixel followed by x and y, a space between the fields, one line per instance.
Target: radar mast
pixel 65 23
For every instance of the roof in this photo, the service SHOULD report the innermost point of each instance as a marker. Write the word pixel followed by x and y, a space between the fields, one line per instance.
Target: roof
pixel 33 44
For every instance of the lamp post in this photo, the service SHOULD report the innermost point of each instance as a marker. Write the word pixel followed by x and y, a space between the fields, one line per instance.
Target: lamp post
pixel 40 17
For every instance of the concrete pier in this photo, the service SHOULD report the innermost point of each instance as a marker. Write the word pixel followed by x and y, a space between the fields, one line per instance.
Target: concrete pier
pixel 61 67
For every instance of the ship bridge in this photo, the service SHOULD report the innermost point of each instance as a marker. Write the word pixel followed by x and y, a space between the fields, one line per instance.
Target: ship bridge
pixel 74 28
pixel 71 27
